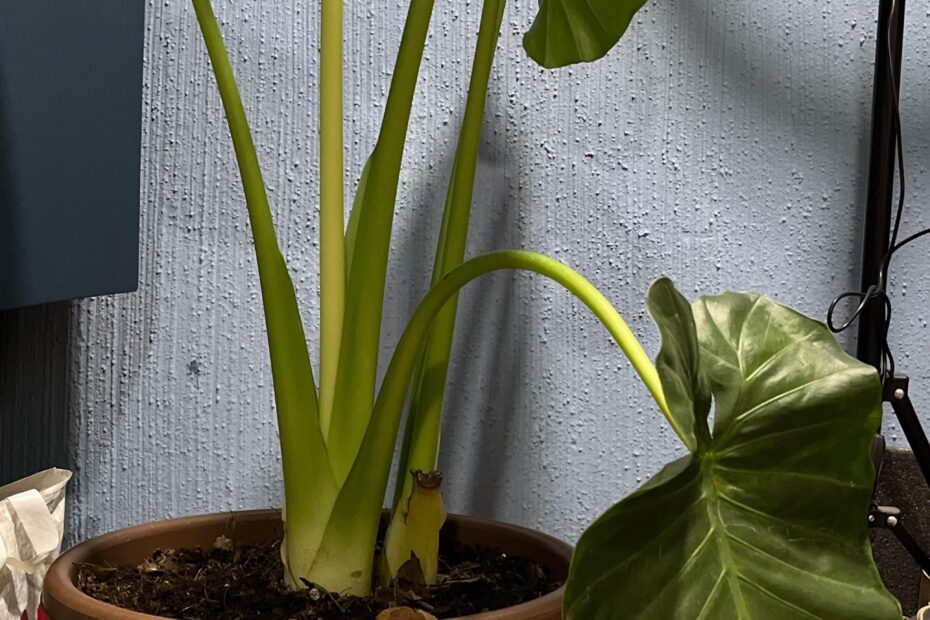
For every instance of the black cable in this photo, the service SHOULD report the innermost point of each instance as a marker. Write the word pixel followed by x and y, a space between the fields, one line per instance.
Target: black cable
pixel 896 118
pixel 879 291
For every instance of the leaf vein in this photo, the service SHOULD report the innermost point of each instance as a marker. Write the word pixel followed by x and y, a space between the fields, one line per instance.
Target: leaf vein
pixel 774 356
pixel 775 519
pixel 710 596
pixel 779 599
pixel 782 562
pixel 756 408
pixel 633 556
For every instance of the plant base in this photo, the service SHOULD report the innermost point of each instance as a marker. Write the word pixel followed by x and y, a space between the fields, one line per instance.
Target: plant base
pixel 64 601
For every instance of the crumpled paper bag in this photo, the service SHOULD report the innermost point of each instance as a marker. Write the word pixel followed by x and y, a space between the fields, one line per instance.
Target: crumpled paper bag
pixel 32 514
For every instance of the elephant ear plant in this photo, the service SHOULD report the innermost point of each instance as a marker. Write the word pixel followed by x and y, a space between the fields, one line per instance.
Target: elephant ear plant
pixel 337 442
pixel 765 516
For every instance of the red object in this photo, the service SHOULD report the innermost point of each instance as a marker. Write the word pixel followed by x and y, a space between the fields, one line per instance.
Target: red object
pixel 41 615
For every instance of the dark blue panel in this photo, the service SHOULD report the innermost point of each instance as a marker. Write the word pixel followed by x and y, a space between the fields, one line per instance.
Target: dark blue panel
pixel 70 131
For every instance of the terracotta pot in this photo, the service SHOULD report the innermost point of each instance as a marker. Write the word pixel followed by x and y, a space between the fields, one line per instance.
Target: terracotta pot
pixel 63 601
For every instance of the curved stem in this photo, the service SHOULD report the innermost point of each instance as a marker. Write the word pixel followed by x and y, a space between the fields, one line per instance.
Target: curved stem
pixel 394 387
pixel 360 499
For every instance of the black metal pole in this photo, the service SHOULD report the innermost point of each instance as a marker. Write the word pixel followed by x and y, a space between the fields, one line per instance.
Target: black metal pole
pixel 880 193
pixel 877 239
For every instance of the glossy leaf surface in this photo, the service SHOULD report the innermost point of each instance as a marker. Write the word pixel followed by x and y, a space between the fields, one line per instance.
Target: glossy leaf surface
pixel 567 32
pixel 766 518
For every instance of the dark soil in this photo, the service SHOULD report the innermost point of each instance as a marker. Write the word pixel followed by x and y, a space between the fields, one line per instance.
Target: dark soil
pixel 247 582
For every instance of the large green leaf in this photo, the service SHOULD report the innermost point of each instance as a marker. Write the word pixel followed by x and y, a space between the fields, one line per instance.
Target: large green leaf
pixel 767 518
pixel 567 32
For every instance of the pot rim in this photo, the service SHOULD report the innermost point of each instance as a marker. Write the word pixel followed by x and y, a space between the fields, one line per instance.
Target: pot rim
pixel 60 592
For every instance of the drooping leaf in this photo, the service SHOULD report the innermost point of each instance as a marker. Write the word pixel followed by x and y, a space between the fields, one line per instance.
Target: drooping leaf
pixel 567 32
pixel 687 394
pixel 767 520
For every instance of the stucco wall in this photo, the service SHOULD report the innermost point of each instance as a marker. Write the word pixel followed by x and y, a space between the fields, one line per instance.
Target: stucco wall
pixel 722 144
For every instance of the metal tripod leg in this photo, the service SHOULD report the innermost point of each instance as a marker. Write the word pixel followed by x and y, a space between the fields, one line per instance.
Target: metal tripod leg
pixel 889 518
pixel 895 391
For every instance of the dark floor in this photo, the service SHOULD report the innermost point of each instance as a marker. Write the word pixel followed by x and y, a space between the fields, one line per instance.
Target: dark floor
pixel 901 485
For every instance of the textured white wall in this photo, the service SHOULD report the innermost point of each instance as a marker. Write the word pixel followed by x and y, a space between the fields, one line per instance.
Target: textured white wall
pixel 722 144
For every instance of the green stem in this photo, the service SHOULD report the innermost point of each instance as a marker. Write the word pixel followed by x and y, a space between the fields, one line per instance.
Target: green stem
pixel 350 535
pixel 332 223
pixel 309 486
pixel 424 419
pixel 358 360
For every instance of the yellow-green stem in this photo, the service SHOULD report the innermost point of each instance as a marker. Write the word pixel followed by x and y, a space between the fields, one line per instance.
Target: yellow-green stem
pixel 358 359
pixel 424 421
pixel 351 532
pixel 332 222
pixel 309 487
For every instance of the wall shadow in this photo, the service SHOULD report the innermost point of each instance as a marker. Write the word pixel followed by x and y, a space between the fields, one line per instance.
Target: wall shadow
pixel 477 423
pixel 482 420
